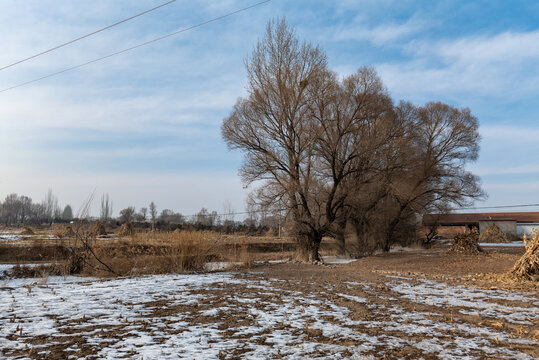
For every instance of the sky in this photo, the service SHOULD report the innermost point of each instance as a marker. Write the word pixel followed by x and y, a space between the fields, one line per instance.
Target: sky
pixel 145 125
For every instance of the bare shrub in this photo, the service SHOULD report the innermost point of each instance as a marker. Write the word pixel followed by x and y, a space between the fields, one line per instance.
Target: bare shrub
pixel 83 256
pixel 466 243
pixel 527 267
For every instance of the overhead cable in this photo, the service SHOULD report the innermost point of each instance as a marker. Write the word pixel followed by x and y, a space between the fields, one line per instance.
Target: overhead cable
pixel 85 36
pixel 136 46
pixel 498 207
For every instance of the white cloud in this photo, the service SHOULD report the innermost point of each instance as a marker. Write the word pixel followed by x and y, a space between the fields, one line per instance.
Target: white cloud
pixel 183 86
pixel 504 66
pixel 507 48
pixel 380 34
pixel 513 170
pixel 511 135
pixel 159 104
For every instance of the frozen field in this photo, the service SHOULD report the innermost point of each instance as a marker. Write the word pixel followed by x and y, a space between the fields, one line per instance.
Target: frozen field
pixel 228 315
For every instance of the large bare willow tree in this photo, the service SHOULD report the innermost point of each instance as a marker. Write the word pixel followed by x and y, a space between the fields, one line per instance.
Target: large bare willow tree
pixel 304 132
pixel 332 151
pixel 274 126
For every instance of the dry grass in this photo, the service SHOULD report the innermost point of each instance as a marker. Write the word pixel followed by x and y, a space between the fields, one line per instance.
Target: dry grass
pixel 39 271
pixel 153 253
pixel 144 252
pixel 147 252
pixel 527 267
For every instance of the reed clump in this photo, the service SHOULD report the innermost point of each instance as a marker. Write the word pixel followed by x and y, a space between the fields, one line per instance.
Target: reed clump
pixel 157 253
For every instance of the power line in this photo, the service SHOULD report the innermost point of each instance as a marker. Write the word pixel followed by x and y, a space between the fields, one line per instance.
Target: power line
pixel 136 46
pixel 498 207
pixel 463 208
pixel 85 36
pixel 272 211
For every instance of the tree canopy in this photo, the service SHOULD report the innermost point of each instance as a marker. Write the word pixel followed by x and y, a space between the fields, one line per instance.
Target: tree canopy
pixel 337 151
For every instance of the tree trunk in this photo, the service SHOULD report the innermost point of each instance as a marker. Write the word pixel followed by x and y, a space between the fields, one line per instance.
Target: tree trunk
pixel 388 239
pixel 308 246
pixel 341 242
pixel 339 234
pixel 387 244
pixel 389 233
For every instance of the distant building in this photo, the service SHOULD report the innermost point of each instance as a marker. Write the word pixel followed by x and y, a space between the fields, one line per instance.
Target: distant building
pixel 513 224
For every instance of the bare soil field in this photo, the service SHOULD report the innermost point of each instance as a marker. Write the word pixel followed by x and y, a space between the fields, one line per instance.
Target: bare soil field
pixel 407 304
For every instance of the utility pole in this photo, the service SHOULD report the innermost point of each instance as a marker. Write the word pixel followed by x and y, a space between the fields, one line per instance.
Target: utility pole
pixel 279 224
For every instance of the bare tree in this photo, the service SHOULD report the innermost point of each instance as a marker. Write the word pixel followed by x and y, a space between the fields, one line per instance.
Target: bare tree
pixel 228 214
pixel 106 207
pixel 420 170
pixel 305 133
pixel 172 217
pixel 444 139
pixel 274 128
pixel 143 213
pixel 50 206
pixel 126 215
pixel 205 218
pixel 253 212
pixel 67 214
pixel 153 212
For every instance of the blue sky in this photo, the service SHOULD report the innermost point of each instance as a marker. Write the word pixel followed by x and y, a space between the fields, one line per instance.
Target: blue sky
pixel 145 125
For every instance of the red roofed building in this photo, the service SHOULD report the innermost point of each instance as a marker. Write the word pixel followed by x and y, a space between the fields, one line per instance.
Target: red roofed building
pixel 513 224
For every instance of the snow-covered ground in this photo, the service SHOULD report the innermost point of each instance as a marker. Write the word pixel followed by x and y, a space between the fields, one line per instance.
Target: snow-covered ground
pixel 224 315
pixel 8 268
pixel 10 237
pixel 511 244
pixel 337 260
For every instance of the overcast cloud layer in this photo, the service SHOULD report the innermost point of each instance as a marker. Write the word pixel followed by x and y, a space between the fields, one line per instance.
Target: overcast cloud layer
pixel 145 125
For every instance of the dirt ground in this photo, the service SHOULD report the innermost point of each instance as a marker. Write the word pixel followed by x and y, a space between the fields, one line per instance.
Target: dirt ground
pixel 401 305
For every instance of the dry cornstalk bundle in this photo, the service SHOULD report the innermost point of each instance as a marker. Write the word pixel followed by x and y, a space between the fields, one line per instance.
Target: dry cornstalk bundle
pixel 127 229
pixel 66 232
pixel 26 231
pixel 466 243
pixel 98 229
pixel 527 267
pixel 493 234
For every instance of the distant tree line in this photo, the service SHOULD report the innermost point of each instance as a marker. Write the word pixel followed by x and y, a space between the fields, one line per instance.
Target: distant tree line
pixel 257 220
pixel 19 210
pixel 338 154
